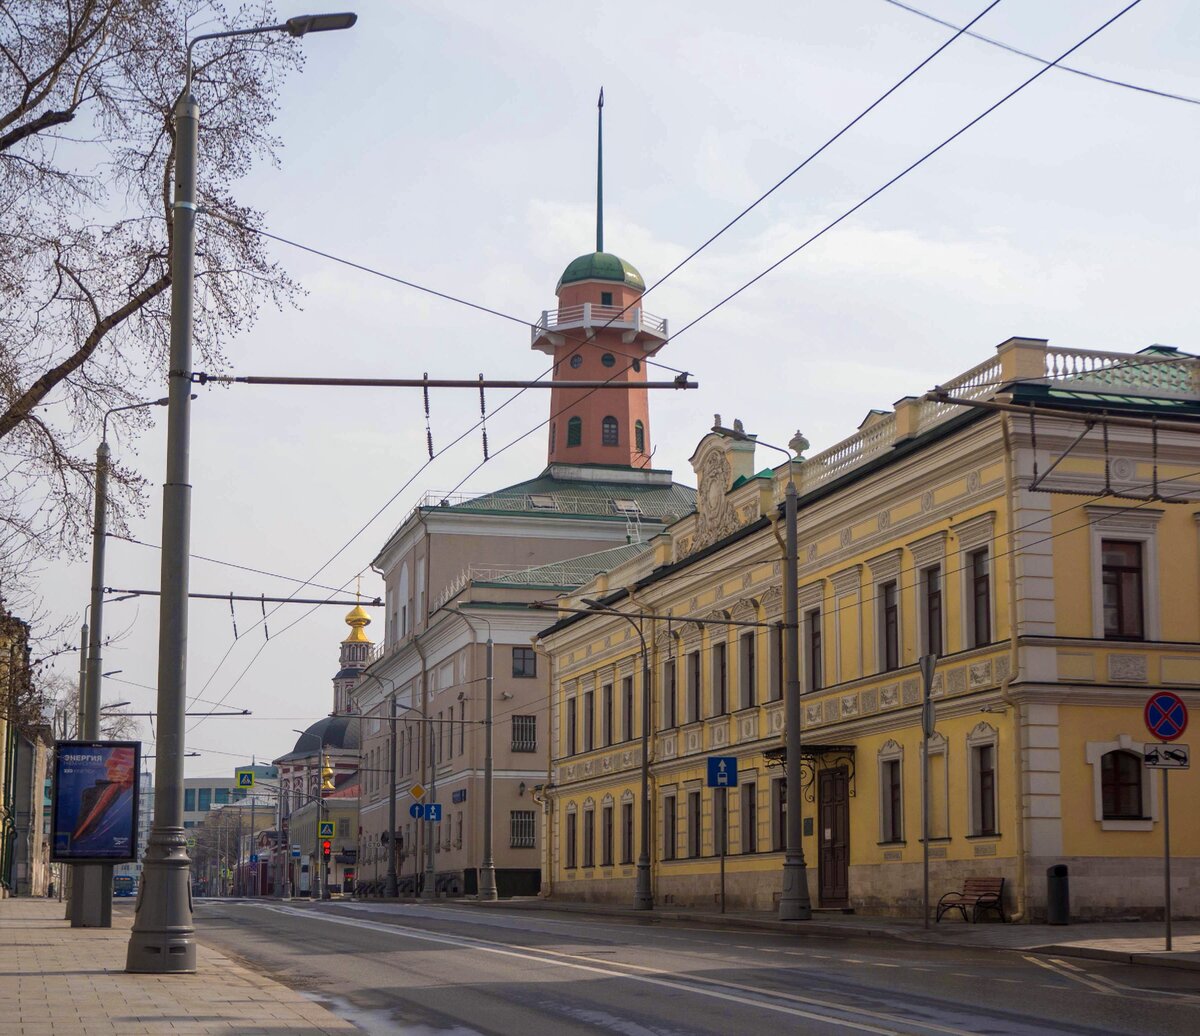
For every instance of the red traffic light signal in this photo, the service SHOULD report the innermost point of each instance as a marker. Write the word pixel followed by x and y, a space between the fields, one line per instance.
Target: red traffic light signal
pixel 326 848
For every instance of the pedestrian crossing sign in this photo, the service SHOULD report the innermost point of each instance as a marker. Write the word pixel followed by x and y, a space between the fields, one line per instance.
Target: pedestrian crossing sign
pixel 326 829
pixel 245 778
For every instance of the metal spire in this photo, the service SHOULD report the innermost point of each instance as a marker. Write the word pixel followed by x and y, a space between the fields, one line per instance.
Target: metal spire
pixel 600 172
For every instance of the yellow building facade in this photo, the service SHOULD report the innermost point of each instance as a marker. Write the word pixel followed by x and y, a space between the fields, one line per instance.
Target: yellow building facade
pixel 1034 524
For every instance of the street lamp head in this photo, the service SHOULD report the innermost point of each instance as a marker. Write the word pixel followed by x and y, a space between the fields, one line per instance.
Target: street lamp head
pixel 114 705
pixel 591 602
pixel 306 23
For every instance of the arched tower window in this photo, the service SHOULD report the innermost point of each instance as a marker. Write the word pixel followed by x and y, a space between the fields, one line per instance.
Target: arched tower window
pixel 639 436
pixel 1121 785
pixel 553 435
pixel 575 431
pixel 608 431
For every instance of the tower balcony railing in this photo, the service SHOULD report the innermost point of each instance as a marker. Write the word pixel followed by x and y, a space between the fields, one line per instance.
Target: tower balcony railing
pixel 589 315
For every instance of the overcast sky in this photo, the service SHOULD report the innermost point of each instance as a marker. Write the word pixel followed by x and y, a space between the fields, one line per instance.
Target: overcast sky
pixel 454 145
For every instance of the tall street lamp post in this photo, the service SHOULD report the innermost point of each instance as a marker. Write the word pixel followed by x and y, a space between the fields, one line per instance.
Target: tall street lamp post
pixel 794 901
pixel 487 869
pixel 643 897
pixel 163 937
pixel 91 889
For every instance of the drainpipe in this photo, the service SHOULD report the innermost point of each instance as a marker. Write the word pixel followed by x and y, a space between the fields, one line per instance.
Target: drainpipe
pixel 1018 740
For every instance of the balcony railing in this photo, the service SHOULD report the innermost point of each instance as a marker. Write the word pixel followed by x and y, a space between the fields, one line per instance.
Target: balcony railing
pixel 588 314
pixel 1029 361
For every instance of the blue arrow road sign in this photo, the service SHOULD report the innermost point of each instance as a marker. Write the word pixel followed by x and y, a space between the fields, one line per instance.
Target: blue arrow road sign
pixel 722 771
pixel 416 811
pixel 433 811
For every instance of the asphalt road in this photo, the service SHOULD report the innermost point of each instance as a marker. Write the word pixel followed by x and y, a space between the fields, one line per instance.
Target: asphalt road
pixel 459 970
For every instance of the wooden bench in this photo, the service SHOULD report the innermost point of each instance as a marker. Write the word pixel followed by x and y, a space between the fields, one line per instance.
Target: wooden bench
pixel 980 894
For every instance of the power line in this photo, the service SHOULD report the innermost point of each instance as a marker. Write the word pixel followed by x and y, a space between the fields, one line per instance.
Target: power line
pixel 1033 57
pixel 227 564
pixel 838 135
pixel 905 171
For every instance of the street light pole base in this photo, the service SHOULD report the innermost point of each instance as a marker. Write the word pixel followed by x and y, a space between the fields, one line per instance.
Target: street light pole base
pixel 643 898
pixel 794 902
pixel 391 887
pixel 163 940
pixel 488 892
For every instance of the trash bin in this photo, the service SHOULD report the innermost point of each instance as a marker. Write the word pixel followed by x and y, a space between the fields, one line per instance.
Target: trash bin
pixel 1058 894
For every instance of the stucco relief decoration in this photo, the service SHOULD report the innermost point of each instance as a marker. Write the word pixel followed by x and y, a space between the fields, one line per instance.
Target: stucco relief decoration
pixel 958 681
pixel 716 517
pixel 776 722
pixel 1122 468
pixel 912 692
pixel 979 674
pixel 850 705
pixel 772 600
pixel 813 714
pixel 844 537
pixel 1127 667
pixel 1002 668
pixel 812 552
pixel 870 700
pixel 831 711
pixel 889 696
pixel 885 520
pixel 927 500
pixel 693 741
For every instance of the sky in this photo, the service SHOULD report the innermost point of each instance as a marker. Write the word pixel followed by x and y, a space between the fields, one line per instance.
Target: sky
pixel 453 145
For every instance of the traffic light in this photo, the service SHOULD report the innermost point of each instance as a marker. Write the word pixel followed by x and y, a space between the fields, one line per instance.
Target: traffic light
pixel 326 848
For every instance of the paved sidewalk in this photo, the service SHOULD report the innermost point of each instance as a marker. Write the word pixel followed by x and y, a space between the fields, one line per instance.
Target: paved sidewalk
pixel 57 979
pixel 1133 942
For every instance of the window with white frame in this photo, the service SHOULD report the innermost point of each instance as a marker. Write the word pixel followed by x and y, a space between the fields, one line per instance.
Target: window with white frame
pixel 748 669
pixel 694 711
pixel 670 827
pixel 1124 550
pixel 572 836
pixel 983 760
pixel 976 584
pixel 885 575
pixel 1123 796
pixel 670 717
pixel 931 610
pixel 891 792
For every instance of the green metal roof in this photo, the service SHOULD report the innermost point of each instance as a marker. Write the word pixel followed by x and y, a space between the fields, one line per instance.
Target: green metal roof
pixel 547 496
pixel 601 266
pixel 572 572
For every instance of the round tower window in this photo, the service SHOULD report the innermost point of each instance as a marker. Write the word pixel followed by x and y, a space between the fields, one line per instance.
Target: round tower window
pixel 608 359
pixel 637 365
pixel 576 361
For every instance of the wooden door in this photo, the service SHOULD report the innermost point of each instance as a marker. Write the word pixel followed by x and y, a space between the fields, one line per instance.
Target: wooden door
pixel 834 855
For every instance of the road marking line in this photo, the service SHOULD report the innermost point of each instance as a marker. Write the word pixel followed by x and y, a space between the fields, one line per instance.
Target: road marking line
pixel 1062 973
pixel 656 977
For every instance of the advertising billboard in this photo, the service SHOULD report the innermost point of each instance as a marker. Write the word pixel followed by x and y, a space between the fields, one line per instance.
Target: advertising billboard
pixel 94 813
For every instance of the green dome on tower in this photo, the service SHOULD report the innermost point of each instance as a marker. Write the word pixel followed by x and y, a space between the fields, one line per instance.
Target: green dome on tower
pixel 601 266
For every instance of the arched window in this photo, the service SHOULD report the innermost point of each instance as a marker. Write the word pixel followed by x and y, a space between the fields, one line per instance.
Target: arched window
pixel 639 436
pixel 1121 785
pixel 608 432
pixel 575 431
pixel 553 435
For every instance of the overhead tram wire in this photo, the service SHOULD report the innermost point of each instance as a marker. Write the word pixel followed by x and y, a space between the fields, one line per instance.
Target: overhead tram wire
pixel 837 136
pixel 906 170
pixel 451 298
pixel 362 267
pixel 1034 57
pixel 446 296
pixel 227 564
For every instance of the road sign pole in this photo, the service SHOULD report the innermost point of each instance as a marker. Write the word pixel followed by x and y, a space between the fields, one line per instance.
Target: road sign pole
pixel 724 836
pixel 1167 851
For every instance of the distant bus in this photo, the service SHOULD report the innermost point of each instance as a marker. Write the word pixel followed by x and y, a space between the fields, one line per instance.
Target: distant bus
pixel 124 885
